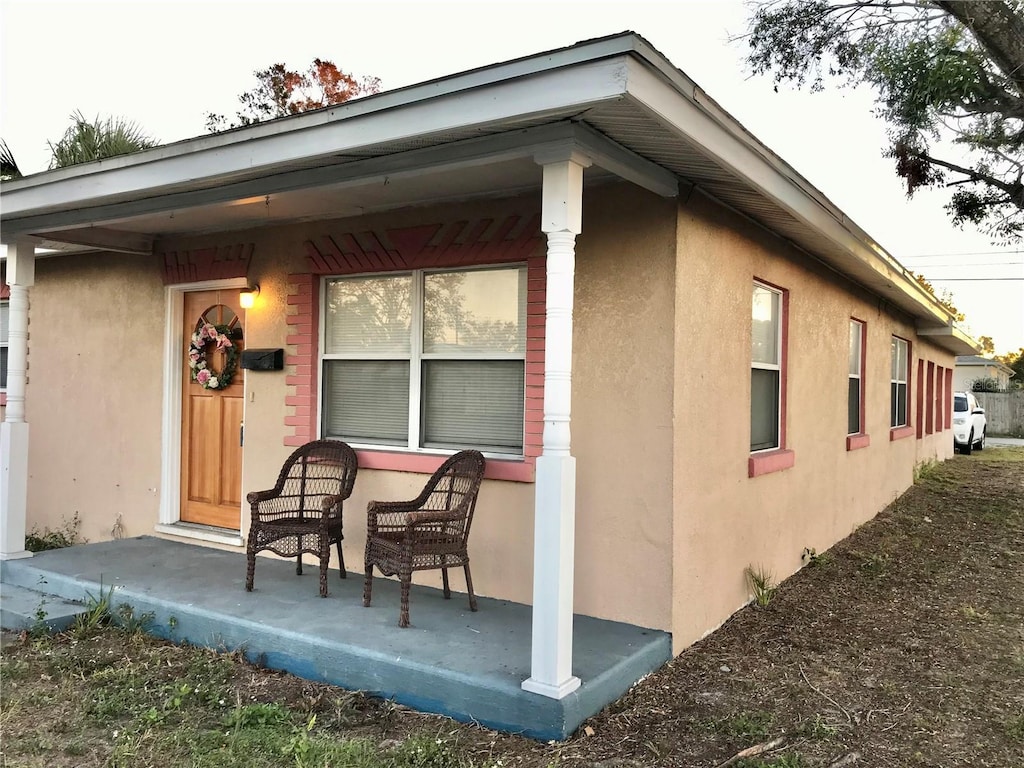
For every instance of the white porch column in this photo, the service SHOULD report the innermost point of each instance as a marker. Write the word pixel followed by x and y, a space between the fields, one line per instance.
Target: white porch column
pixel 14 429
pixel 554 532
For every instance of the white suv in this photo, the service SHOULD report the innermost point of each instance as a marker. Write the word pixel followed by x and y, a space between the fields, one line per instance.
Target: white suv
pixel 968 423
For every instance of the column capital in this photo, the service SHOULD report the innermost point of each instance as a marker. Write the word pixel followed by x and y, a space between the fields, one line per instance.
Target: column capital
pixel 562 199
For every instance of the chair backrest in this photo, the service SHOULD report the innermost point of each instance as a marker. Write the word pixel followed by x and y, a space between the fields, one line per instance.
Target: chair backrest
pixel 316 470
pixel 454 487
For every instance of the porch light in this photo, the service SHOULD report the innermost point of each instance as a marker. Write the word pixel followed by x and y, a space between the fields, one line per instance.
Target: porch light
pixel 247 296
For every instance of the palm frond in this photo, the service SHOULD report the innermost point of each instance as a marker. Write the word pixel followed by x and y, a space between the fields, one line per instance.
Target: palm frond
pixel 8 168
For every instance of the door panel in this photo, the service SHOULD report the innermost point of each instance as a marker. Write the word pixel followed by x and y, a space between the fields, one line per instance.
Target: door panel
pixel 211 461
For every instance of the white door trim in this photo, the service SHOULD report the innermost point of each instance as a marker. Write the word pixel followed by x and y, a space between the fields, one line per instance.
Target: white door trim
pixel 170 470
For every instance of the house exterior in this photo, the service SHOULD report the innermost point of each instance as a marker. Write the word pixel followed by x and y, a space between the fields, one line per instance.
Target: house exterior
pixel 971 368
pixel 537 258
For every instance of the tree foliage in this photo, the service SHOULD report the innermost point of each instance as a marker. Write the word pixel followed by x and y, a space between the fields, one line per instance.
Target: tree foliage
pixel 945 298
pixel 8 167
pixel 949 79
pixel 85 141
pixel 280 92
pixel 1014 360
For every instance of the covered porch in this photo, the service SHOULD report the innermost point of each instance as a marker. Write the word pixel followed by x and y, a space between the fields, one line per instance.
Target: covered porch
pixel 468 666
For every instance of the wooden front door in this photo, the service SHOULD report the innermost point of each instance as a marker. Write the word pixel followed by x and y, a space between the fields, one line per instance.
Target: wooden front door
pixel 211 418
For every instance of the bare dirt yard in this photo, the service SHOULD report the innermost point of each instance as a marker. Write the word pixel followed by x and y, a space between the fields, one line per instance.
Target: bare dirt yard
pixel 903 645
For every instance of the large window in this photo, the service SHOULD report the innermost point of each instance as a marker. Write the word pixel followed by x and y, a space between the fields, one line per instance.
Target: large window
pixel 426 360
pixel 898 383
pixel 765 368
pixel 854 398
pixel 5 322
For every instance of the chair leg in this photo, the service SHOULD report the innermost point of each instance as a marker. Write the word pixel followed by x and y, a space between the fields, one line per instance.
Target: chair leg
pixel 403 617
pixel 298 559
pixel 325 558
pixel 469 586
pixel 447 589
pixel 250 569
pixel 368 585
pixel 341 561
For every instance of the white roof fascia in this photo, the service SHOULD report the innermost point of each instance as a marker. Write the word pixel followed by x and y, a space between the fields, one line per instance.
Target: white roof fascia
pixel 950 338
pixel 702 125
pixel 544 92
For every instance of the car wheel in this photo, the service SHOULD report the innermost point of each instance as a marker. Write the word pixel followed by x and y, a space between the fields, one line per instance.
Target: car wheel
pixel 966 448
pixel 981 443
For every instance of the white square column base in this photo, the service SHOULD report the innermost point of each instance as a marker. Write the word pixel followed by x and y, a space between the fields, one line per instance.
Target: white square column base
pixel 13 489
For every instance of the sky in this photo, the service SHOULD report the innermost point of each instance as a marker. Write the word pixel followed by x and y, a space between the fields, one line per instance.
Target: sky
pixel 165 64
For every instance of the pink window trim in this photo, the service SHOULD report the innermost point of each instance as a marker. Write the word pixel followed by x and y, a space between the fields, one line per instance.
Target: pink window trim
pixel 948 393
pixel 898 433
pixel 770 461
pixel 521 470
pixel 3 398
pixel 855 442
pixel 920 397
pixel 302 380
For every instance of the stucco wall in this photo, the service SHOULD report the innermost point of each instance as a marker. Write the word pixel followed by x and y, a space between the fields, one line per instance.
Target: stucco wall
pixel 96 432
pixel 725 520
pixel 94 393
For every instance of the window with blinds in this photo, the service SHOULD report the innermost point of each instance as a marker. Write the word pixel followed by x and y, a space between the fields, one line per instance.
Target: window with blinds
pixel 899 353
pixel 765 367
pixel 854 417
pixel 426 359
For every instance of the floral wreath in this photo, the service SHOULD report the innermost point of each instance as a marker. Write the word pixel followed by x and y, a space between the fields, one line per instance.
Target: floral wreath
pixel 207 378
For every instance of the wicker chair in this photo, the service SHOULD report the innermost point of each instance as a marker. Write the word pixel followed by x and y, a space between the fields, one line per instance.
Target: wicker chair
pixel 302 512
pixel 428 532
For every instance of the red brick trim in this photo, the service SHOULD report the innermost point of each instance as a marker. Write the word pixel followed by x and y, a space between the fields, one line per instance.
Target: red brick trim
pixel 920 396
pixel 512 239
pixel 948 406
pixel 854 442
pixel 770 461
pixel 898 433
pixel 206 263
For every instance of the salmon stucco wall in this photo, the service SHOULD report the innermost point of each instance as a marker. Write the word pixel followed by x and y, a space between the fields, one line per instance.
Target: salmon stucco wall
pixel 725 520
pixel 94 392
pixel 622 396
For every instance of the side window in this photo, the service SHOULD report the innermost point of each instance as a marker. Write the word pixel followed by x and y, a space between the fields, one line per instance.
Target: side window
pixel 855 389
pixel 898 382
pixel 766 368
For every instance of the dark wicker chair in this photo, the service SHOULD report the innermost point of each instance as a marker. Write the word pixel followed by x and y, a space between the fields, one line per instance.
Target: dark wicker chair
pixel 428 532
pixel 303 511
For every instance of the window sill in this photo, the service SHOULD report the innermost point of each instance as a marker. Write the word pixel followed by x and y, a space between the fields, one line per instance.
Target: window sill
pixel 860 440
pixel 514 470
pixel 770 461
pixel 898 433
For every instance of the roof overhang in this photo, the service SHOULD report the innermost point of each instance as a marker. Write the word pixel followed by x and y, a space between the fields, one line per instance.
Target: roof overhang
pixel 616 100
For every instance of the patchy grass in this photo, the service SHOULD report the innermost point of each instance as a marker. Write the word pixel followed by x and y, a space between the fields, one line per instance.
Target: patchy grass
pixel 907 649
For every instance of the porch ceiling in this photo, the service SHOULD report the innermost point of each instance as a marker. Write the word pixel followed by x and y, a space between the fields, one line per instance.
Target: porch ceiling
pixel 470 135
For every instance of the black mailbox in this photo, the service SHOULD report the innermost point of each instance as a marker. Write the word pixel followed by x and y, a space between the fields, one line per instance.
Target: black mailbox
pixel 263 359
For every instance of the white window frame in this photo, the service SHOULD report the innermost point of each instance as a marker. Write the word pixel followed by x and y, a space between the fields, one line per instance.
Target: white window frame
pixel 777 366
pixel 905 381
pixel 416 357
pixel 858 326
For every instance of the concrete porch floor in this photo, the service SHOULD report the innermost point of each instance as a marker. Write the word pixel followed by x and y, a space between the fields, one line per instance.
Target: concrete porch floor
pixel 466 665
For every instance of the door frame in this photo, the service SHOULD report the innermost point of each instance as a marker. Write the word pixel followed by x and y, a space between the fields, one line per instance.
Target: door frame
pixel 170 463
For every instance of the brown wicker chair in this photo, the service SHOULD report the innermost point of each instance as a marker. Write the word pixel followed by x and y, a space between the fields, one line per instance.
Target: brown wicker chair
pixel 428 532
pixel 302 512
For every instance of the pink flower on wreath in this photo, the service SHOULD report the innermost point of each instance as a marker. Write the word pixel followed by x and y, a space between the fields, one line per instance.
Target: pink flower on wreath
pixel 193 355
pixel 211 331
pixel 223 342
pixel 203 376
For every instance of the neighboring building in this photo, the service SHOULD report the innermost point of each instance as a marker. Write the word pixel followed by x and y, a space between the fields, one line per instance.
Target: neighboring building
pixel 465 263
pixel 972 368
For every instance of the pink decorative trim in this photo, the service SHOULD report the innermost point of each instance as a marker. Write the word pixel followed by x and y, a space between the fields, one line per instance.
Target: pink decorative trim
pixel 853 442
pixel 514 238
pixel 206 263
pixel 920 395
pixel 3 398
pixel 929 404
pixel 898 433
pixel 770 461
pixel 517 471
pixel 300 358
pixel 948 407
pixel 459 243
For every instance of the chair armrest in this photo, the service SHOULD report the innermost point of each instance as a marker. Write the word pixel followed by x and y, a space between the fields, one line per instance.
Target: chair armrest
pixel 254 497
pixel 423 517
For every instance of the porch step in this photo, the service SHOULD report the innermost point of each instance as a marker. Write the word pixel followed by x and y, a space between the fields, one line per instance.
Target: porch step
pixel 24 609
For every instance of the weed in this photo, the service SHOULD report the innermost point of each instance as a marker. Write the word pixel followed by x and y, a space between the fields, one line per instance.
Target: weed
pixel 65 536
pixel 819 729
pixel 874 563
pixel 749 725
pixel 789 760
pixel 1015 728
pixel 257 716
pixel 96 616
pixel 39 628
pixel 972 613
pixel 129 622
pixel 761 583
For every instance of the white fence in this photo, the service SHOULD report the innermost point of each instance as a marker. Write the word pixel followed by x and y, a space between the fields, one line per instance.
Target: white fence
pixel 1004 412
